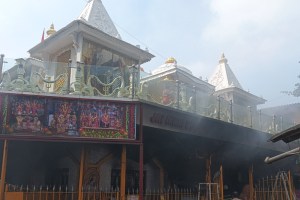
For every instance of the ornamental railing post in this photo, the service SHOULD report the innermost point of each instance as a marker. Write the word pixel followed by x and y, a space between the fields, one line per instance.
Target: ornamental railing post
pixel 195 99
pixel 219 107
pixel 281 123
pixel 259 118
pixel 250 115
pixel 178 91
pixel 69 76
pixel 231 112
pixel 274 123
pixel 1 64
pixel 78 79
pixel 134 81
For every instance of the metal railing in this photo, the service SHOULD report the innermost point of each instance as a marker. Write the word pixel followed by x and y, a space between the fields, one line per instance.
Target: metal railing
pixel 192 99
pixel 58 193
pixel 171 194
pixel 279 187
pixel 62 193
pixel 124 82
pixel 209 191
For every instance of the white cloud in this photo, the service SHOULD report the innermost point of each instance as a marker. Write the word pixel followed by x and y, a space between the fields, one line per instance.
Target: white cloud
pixel 252 27
pixel 235 19
pixel 260 39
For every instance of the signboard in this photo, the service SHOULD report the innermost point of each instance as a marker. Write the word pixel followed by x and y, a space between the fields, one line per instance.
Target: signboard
pixel 170 120
pixel 32 115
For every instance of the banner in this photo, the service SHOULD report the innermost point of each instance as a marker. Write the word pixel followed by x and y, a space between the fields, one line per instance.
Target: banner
pixel 28 115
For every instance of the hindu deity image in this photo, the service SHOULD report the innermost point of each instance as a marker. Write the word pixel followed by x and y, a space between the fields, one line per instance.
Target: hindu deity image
pixel 27 113
pixel 84 120
pixel 98 115
pixel 67 117
pixel 19 121
pixel 61 124
pixel 118 123
pixel 105 120
pixel 63 120
pixel 167 96
pixel 19 109
pixel 94 120
pixel 36 125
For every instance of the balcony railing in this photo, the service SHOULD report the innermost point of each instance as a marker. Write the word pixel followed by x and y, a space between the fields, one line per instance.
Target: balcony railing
pixel 79 79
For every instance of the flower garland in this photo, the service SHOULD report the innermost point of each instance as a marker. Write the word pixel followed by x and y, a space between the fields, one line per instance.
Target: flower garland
pixel 102 133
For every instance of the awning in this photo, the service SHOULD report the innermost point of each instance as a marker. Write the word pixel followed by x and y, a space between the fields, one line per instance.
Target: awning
pixel 287 135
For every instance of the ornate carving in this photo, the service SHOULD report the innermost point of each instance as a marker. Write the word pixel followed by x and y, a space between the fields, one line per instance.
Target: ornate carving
pixel 20 83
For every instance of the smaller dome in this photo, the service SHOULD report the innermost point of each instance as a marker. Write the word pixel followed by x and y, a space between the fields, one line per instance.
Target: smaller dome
pixel 171 60
pixel 170 63
pixel 51 30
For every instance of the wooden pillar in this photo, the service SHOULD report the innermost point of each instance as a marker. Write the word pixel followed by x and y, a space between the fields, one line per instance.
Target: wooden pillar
pixel 221 183
pixel 141 169
pixel 123 173
pixel 141 172
pixel 80 184
pixel 161 178
pixel 208 170
pixel 3 169
pixel 290 185
pixel 251 189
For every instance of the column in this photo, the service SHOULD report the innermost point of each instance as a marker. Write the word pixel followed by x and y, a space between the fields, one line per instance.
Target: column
pixel 81 170
pixel 3 169
pixel 123 173
pixel 141 170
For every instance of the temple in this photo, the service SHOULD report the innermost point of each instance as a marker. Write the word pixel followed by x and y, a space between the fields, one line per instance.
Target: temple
pixel 81 120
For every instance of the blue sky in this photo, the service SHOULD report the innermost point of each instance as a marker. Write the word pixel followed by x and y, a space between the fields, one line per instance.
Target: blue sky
pixel 259 37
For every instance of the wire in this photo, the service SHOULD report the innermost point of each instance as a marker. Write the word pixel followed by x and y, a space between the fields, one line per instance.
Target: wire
pixel 156 52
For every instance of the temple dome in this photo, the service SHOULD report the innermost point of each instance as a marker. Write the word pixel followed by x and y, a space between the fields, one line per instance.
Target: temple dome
pixel 171 60
pixel 171 63
pixel 51 30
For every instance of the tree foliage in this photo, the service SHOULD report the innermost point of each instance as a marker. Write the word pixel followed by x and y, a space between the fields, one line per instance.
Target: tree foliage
pixel 296 91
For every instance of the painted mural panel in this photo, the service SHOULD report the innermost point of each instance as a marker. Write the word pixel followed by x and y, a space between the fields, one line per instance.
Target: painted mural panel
pixel 111 120
pixel 26 115
pixel 61 117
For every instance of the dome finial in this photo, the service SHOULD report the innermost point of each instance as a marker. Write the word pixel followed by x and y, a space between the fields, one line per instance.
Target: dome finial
pixel 171 60
pixel 223 59
pixel 51 30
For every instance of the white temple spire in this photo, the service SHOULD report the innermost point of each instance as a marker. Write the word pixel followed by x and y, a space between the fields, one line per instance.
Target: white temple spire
pixel 96 15
pixel 223 59
pixel 223 77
